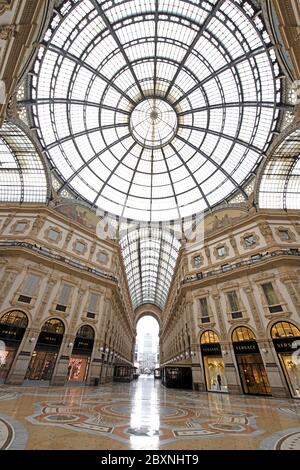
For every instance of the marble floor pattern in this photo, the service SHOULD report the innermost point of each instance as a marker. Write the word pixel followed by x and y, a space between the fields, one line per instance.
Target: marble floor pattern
pixel 143 415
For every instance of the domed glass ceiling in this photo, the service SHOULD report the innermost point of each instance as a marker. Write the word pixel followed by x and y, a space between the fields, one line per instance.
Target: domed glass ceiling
pixel 279 181
pixel 155 109
pixel 23 176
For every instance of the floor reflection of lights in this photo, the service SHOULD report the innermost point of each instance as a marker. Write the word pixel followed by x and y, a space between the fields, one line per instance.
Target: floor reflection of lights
pixel 144 418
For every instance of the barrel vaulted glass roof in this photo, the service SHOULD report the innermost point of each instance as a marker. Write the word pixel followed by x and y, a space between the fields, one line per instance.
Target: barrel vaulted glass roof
pixel 22 172
pixel 150 256
pixel 155 109
pixel 279 186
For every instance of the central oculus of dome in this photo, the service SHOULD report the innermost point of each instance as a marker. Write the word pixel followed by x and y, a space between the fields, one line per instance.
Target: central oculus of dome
pixel 153 123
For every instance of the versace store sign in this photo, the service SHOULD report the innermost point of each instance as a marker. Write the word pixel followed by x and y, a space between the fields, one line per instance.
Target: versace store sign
pixel 246 347
pixel 286 344
pixel 211 349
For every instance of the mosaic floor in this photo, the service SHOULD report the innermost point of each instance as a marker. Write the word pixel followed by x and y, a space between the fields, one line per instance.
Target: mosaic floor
pixel 143 415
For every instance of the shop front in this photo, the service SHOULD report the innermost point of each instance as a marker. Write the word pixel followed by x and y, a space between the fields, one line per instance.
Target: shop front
pixel 46 351
pixel 251 368
pixel 123 373
pixel 286 340
pixel 12 328
pixel 178 377
pixel 213 363
pixel 81 355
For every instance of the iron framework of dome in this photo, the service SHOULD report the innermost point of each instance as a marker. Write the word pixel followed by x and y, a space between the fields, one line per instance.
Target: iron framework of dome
pixel 155 109
pixel 278 184
pixel 23 176
pixel 149 256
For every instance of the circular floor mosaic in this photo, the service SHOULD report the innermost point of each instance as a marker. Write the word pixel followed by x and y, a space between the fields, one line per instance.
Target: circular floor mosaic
pixel 6 434
pixel 289 442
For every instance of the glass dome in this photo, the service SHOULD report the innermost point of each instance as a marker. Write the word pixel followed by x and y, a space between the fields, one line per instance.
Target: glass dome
pixel 279 179
pixel 155 109
pixel 23 175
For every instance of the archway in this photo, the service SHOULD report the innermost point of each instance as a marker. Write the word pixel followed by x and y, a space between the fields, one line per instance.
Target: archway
pixel 146 355
pixel 45 354
pixel 286 340
pixel 12 328
pixel 251 368
pixel 81 354
pixel 213 363
pixel 147 310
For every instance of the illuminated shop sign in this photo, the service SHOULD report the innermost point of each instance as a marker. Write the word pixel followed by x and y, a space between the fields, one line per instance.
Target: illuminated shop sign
pixel 246 347
pixel 211 349
pixel 11 332
pixel 53 339
pixel 286 344
pixel 84 344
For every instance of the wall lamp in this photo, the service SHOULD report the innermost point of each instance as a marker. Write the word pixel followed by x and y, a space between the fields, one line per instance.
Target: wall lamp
pixel 32 340
pixel 70 345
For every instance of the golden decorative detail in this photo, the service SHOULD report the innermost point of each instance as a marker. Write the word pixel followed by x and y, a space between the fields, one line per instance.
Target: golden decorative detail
pixel 266 231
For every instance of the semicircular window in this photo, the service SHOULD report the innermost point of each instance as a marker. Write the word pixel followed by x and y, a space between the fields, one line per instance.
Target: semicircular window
pixel 155 110
pixel 22 173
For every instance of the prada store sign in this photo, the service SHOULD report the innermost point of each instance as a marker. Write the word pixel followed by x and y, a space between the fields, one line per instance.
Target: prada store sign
pixel 12 333
pixel 53 339
pixel 211 349
pixel 84 344
pixel 287 344
pixel 246 347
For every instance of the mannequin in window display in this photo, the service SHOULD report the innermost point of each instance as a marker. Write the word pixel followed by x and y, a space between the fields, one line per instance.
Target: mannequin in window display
pixel 219 381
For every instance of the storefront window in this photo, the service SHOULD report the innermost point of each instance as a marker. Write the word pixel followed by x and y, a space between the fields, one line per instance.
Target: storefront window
pixel 14 318
pixel 78 368
pixel 12 329
pixel 44 357
pixel 286 339
pixel 213 362
pixel 215 374
pixel 251 368
pixel 81 355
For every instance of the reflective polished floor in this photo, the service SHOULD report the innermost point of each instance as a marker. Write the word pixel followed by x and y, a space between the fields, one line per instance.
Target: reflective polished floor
pixel 143 415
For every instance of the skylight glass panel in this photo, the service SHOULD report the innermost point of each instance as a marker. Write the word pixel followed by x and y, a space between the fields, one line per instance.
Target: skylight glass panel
pixel 279 180
pixel 22 171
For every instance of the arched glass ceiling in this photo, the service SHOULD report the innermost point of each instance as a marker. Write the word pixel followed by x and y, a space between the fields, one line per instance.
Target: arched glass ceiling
pixel 155 109
pixel 279 183
pixel 22 173
pixel 150 256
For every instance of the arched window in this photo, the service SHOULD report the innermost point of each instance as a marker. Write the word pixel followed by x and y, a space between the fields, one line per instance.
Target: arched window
pixel 15 318
pixel 85 331
pixel 209 336
pixel 54 326
pixel 284 328
pixel 242 333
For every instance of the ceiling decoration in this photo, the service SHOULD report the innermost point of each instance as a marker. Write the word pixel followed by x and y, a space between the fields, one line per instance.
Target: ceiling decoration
pixel 155 109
